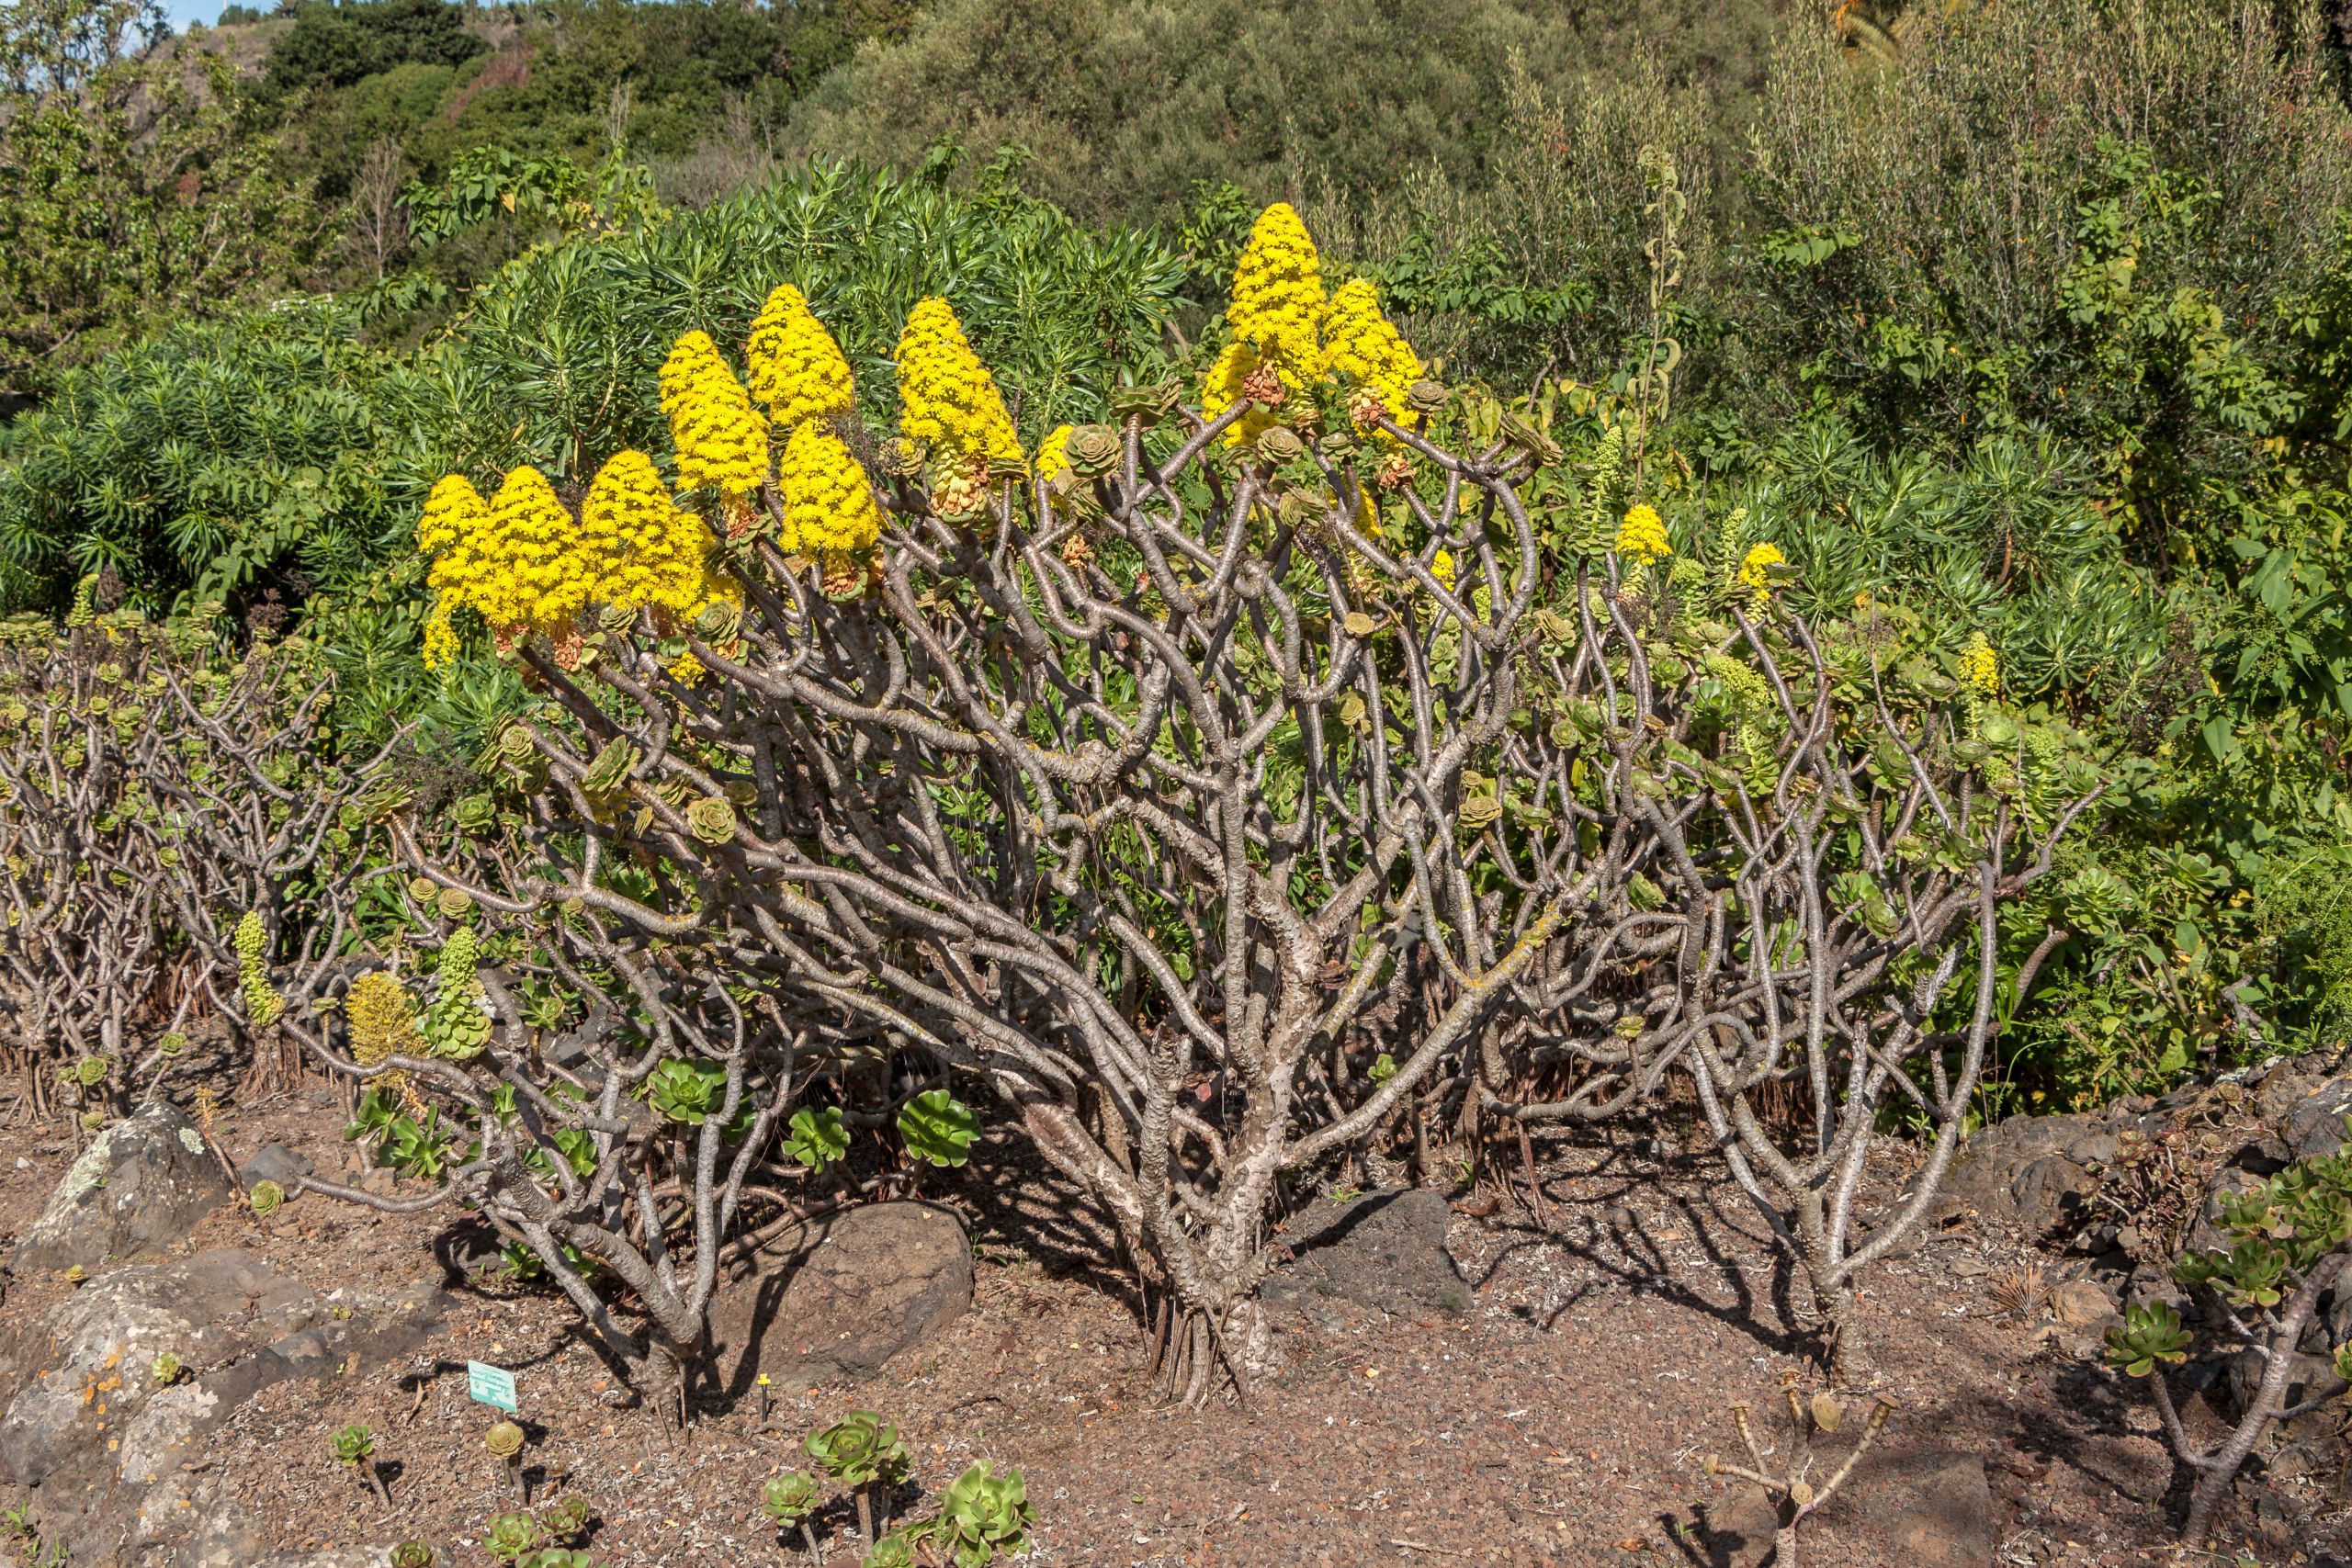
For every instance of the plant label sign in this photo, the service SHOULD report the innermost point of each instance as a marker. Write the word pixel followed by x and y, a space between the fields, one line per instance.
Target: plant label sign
pixel 491 1385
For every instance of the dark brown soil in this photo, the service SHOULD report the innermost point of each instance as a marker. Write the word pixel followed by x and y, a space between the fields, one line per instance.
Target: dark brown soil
pixel 1562 1420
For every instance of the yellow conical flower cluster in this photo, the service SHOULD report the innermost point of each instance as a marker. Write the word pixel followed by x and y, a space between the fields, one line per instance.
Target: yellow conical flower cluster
pixel 509 560
pixel 722 439
pixel 1288 336
pixel 454 508
pixel 1053 454
pixel 1278 293
pixel 521 563
pixel 1643 534
pixel 797 368
pixel 1361 348
pixel 829 509
pixel 949 400
pixel 644 549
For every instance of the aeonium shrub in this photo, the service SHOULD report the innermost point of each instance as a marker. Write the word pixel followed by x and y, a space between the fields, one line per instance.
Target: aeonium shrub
pixel 1792 846
pixel 170 805
pixel 1112 773
pixel 601 1097
pixel 2289 1241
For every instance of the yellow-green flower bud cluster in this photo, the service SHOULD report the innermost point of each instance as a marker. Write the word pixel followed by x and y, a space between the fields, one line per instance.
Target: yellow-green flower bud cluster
pixel 829 508
pixel 1981 666
pixel 949 401
pixel 797 368
pixel 380 1014
pixel 456 1026
pixel 721 440
pixel 264 1006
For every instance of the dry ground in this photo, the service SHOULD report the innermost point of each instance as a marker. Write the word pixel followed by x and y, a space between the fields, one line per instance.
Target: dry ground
pixel 1563 1421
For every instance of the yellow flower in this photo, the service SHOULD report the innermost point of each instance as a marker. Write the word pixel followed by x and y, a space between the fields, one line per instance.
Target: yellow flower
pixel 382 1018
pixel 1441 568
pixel 797 368
pixel 721 440
pixel 829 507
pixel 1642 536
pixel 1755 576
pixel 642 548
pixel 1230 382
pixel 949 401
pixel 454 509
pixel 1981 665
pixel 1276 320
pixel 1361 350
pixel 1053 454
pixel 1278 301
pixel 440 636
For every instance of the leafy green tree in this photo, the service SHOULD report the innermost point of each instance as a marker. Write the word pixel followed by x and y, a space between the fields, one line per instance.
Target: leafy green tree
pixel 333 43
pixel 133 187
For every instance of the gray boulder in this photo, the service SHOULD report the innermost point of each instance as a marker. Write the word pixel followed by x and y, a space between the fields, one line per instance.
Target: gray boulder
pixel 100 1446
pixel 2315 1124
pixel 136 1191
pixel 834 1299
pixel 275 1162
pixel 1384 1250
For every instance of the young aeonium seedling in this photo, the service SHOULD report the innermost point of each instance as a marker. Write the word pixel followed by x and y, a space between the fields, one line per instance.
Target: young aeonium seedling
pixel 566 1519
pixel 353 1444
pixel 411 1554
pixel 984 1513
pixel 356 1446
pixel 862 1451
pixel 511 1536
pixel 789 1499
pixel 938 1128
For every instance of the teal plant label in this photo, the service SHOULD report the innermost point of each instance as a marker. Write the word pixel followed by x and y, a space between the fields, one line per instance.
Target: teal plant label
pixel 491 1385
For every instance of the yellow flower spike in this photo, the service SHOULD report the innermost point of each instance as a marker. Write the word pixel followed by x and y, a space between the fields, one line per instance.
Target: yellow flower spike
pixel 1756 575
pixel 1053 455
pixel 1364 350
pixel 1643 534
pixel 1441 568
pixel 1278 292
pixel 948 398
pixel 721 440
pixel 829 507
pixel 1276 319
pixel 440 636
pixel 797 368
pixel 652 550
pixel 1981 666
pixel 454 510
